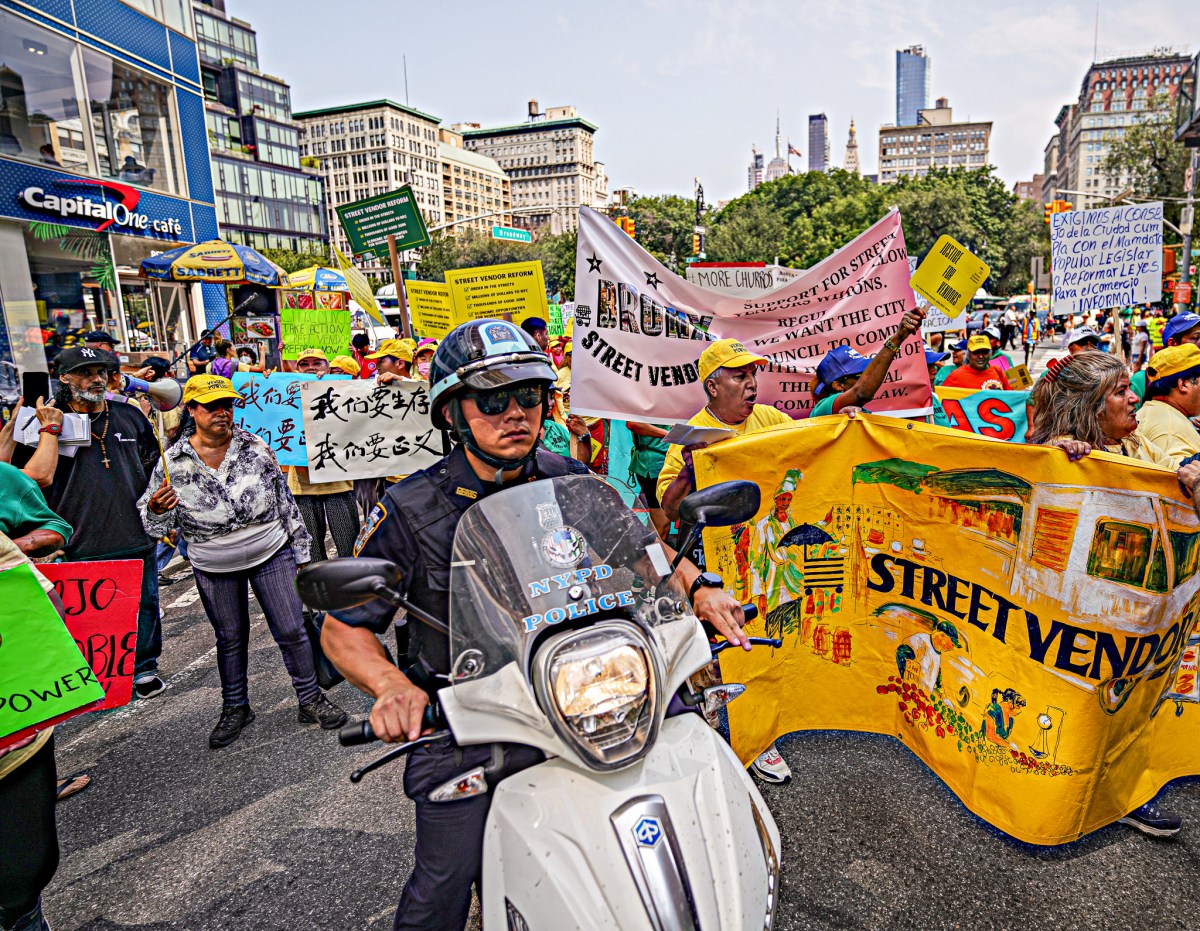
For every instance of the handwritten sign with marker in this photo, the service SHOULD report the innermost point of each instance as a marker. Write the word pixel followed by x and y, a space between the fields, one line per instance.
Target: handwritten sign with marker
pixel 949 276
pixel 327 330
pixel 1106 258
pixel 271 411
pixel 360 429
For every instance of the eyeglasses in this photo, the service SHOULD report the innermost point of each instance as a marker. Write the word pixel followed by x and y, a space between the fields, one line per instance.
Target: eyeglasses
pixel 221 404
pixel 496 402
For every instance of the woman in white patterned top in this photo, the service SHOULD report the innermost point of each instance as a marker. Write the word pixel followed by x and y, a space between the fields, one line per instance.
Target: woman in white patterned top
pixel 230 499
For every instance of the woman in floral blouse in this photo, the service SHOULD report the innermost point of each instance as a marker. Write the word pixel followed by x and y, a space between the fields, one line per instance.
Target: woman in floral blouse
pixel 226 493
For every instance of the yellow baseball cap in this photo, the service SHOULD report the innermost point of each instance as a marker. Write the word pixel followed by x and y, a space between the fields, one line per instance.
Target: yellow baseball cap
pixel 1172 361
pixel 345 364
pixel 203 389
pixel 397 348
pixel 727 353
pixel 312 354
pixel 975 343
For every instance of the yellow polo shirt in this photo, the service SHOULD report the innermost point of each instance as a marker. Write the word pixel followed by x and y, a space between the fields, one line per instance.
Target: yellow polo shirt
pixel 760 418
pixel 1169 429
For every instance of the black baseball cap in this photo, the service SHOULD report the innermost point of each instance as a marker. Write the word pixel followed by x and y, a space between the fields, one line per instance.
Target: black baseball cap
pixel 78 356
pixel 100 336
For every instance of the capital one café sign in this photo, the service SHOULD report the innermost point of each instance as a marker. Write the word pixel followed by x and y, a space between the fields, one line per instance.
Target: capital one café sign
pixel 118 211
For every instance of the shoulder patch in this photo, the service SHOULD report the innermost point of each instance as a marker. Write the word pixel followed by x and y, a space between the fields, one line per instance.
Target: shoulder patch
pixel 374 519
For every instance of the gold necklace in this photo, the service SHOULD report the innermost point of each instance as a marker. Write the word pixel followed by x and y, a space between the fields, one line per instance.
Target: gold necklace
pixel 103 433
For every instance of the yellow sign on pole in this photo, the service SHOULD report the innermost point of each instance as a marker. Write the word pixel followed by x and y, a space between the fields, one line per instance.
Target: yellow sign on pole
pixel 360 288
pixel 949 276
pixel 495 290
pixel 431 308
pixel 1018 377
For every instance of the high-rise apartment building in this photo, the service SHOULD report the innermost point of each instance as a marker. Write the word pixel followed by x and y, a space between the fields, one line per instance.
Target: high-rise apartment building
pixel 1029 190
pixel 266 198
pixel 912 84
pixel 364 149
pixel 934 141
pixel 818 142
pixel 756 172
pixel 550 162
pixel 1114 95
pixel 472 185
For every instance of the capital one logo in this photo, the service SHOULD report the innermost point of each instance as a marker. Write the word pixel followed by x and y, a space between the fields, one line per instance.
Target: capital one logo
pixel 118 206
pixel 648 832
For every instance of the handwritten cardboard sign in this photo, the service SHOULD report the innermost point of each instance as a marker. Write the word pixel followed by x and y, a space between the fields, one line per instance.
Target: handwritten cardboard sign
pixel 271 410
pixel 44 678
pixel 327 330
pixel 949 276
pixel 100 601
pixel 1106 258
pixel 361 429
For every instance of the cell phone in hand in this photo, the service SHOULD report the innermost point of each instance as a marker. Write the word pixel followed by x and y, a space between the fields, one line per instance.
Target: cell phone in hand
pixel 35 385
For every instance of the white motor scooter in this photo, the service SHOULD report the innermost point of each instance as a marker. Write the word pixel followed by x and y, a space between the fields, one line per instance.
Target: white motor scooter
pixel 570 632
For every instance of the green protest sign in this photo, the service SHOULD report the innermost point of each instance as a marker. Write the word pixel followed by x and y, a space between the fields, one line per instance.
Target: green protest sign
pixel 43 676
pixel 327 330
pixel 554 325
pixel 370 221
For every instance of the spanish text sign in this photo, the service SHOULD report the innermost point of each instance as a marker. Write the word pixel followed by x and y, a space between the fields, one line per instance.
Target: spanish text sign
pixel 640 328
pixel 1106 258
pixel 361 429
pixel 100 600
pixel 949 276
pixel 46 679
pixel 495 290
pixel 1014 619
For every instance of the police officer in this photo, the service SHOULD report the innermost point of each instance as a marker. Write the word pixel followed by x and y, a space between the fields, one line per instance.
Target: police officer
pixel 488 384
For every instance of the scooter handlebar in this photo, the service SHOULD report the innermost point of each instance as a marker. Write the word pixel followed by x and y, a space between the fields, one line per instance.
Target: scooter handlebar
pixel 361 732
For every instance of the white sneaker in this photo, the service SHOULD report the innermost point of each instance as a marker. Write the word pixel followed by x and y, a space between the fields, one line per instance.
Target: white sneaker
pixel 770 767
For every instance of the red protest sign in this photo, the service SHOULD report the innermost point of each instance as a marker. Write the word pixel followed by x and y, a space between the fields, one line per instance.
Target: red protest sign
pixel 100 602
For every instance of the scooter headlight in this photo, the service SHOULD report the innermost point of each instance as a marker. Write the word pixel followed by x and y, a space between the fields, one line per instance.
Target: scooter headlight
pixel 599 687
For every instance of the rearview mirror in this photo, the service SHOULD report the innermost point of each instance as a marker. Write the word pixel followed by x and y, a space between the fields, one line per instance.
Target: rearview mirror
pixel 721 505
pixel 344 583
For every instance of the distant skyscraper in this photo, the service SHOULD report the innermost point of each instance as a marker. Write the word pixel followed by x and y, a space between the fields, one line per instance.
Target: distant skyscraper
pixel 912 84
pixel 778 166
pixel 818 142
pixel 852 165
pixel 754 176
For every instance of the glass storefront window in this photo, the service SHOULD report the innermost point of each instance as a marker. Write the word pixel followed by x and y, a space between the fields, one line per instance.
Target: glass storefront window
pixel 39 111
pixel 133 123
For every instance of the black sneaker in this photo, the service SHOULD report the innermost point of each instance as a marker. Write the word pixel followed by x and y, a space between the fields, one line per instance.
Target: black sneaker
pixel 149 686
pixel 324 712
pixel 1152 820
pixel 233 719
pixel 166 580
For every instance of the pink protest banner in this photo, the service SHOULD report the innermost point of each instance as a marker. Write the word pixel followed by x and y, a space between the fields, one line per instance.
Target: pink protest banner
pixel 640 328
pixel 100 601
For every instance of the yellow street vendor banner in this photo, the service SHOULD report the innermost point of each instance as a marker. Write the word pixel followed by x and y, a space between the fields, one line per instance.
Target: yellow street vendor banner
pixel 517 288
pixel 1026 625
pixel 431 308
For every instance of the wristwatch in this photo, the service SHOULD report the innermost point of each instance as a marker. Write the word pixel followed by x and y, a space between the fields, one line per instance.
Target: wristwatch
pixel 54 429
pixel 890 343
pixel 705 580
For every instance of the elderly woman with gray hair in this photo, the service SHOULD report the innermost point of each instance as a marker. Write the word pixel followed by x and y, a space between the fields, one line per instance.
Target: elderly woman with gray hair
pixel 1084 403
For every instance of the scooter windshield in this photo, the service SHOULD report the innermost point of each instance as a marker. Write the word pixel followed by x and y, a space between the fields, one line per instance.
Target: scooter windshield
pixel 562 550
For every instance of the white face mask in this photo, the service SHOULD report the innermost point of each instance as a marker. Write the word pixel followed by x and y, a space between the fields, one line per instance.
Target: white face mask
pixel 245 359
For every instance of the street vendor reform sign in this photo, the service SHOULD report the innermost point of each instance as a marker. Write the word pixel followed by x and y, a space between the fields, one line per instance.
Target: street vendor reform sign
pixel 369 222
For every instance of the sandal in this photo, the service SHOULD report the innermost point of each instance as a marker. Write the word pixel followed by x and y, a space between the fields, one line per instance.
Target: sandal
pixel 67 787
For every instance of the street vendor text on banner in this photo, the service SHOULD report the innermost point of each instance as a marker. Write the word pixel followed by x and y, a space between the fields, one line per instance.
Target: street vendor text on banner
pixel 640 328
pixel 1106 258
pixel 518 289
pixel 431 308
pixel 1025 624
pixel 360 429
pixel 270 409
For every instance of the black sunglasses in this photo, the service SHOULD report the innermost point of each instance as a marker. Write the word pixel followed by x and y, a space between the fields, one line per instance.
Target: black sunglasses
pixel 496 402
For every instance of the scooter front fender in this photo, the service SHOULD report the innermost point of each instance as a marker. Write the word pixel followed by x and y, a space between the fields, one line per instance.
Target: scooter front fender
pixel 680 840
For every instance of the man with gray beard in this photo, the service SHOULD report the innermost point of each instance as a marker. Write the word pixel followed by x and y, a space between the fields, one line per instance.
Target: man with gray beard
pixel 96 491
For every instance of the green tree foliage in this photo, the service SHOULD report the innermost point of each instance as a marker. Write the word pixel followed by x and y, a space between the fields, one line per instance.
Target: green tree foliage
pixel 292 261
pixel 1149 159
pixel 471 249
pixel 664 226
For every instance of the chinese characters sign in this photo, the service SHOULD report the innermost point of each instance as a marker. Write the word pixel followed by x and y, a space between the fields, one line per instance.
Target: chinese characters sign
pixel 359 429
pixel 271 411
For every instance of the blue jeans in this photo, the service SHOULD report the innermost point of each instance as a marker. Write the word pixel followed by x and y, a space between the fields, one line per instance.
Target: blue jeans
pixel 149 622
pixel 226 600
pixel 164 553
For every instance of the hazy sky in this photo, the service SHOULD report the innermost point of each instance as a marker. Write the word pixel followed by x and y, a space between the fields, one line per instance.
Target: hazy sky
pixel 682 88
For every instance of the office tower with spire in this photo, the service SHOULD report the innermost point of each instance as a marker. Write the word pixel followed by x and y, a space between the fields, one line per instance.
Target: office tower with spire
pixel 818 142
pixel 912 84
pixel 778 166
pixel 851 162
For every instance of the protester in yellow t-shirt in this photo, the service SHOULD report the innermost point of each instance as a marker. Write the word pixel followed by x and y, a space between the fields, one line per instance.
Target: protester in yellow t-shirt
pixel 1172 400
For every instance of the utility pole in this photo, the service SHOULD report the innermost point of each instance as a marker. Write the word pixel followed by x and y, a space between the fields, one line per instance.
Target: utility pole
pixel 1185 225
